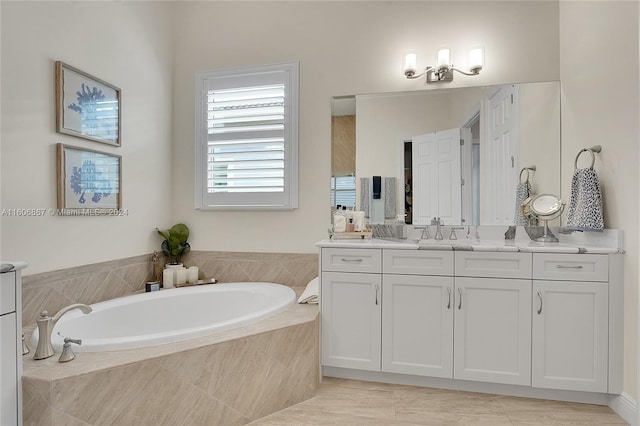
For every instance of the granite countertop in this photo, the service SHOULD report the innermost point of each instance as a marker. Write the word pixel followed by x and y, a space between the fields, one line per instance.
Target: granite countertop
pixel 472 245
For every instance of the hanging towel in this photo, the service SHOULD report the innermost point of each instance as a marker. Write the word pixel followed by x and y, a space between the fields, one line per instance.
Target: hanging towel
pixel 390 198
pixel 523 191
pixel 364 196
pixel 311 292
pixel 585 207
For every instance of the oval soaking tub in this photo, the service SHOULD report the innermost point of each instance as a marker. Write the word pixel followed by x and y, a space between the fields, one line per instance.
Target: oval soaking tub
pixel 169 315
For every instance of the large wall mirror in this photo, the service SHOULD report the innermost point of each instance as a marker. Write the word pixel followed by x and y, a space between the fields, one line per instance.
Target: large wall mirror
pixel 457 154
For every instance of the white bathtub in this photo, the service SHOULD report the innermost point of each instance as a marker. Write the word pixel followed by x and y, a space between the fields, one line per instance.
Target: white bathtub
pixel 170 315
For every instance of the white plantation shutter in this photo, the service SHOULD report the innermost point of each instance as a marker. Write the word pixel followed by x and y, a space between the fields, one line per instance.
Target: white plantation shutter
pixel 247 138
pixel 343 191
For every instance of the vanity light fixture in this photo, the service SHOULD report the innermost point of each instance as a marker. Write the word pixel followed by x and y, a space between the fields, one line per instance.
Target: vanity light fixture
pixel 443 71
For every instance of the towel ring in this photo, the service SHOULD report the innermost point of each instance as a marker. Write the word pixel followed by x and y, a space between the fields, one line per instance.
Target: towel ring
pixel 596 148
pixel 526 169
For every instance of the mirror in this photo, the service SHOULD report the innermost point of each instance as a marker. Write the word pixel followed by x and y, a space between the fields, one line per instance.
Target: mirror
pixel 503 128
pixel 543 207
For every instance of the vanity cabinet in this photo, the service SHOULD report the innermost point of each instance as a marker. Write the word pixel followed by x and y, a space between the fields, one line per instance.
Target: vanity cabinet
pixel 493 330
pixel 493 317
pixel 10 353
pixel 351 320
pixel 417 312
pixel 570 322
pixel 541 320
pixel 351 308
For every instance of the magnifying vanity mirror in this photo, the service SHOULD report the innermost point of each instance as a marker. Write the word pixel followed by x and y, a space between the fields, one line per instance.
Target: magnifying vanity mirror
pixel 543 207
pixel 455 153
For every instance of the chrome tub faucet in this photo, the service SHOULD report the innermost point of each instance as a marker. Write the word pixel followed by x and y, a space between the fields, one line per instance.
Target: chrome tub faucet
pixel 45 328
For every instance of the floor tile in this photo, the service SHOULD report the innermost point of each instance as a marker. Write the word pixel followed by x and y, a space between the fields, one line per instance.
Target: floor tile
pixel 352 402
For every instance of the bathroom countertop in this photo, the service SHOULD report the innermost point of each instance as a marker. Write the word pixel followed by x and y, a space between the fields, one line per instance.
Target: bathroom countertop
pixel 85 362
pixel 10 266
pixel 471 245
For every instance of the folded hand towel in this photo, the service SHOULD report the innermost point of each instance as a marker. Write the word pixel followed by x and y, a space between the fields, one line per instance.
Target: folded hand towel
pixel 585 207
pixel 311 293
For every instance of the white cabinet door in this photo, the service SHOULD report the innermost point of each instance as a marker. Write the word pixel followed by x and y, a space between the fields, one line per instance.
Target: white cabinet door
pixel 493 330
pixel 417 325
pixel 351 310
pixel 8 371
pixel 570 335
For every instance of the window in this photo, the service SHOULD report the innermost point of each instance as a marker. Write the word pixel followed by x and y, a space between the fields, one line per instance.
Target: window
pixel 247 138
pixel 343 191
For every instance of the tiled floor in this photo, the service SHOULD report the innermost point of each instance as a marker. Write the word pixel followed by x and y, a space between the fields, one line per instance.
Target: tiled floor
pixel 351 402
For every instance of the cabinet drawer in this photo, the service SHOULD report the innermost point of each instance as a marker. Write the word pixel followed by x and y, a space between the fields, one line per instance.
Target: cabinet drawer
pixel 8 293
pixel 571 267
pixel 417 262
pixel 352 260
pixel 493 265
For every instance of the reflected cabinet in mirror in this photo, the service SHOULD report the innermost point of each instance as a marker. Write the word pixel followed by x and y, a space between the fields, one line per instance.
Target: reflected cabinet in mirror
pixel 456 154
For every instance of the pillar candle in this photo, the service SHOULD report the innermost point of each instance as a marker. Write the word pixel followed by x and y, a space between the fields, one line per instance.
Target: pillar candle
pixel 181 276
pixel 167 278
pixel 192 274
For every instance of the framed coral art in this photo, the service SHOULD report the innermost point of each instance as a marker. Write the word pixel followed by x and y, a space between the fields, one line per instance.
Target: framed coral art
pixel 86 106
pixel 89 182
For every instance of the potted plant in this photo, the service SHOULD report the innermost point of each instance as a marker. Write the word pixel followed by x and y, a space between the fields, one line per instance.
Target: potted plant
pixel 175 242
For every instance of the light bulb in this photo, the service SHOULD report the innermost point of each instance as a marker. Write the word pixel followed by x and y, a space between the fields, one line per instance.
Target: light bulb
pixel 476 59
pixel 410 64
pixel 443 61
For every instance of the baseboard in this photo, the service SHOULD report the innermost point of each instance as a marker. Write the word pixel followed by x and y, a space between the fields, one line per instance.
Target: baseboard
pixel 625 407
pixel 470 386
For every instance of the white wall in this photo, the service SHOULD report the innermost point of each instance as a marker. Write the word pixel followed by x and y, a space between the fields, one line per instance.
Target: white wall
pixel 344 48
pixel 600 106
pixel 128 44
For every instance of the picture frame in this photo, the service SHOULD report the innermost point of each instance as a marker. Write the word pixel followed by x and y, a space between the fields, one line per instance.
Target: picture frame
pixel 86 106
pixel 89 182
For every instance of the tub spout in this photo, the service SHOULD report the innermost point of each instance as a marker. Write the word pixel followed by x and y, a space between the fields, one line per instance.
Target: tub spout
pixel 45 328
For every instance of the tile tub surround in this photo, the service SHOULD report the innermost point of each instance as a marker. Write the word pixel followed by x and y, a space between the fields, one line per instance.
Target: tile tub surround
pixel 86 284
pixel 97 282
pixel 232 377
pixel 291 269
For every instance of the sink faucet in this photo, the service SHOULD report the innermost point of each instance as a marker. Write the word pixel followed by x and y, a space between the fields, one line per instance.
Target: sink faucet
pixel 425 233
pixel 45 328
pixel 453 235
pixel 438 222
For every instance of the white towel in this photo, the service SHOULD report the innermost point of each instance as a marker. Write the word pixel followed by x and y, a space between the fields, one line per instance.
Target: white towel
pixel 585 207
pixel 311 293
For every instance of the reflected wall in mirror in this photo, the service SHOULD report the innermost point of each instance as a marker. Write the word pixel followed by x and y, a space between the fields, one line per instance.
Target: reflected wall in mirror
pixel 458 153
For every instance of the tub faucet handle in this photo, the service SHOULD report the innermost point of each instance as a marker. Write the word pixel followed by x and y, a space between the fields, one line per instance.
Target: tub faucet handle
pixel 45 328
pixel 67 353
pixel 25 347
